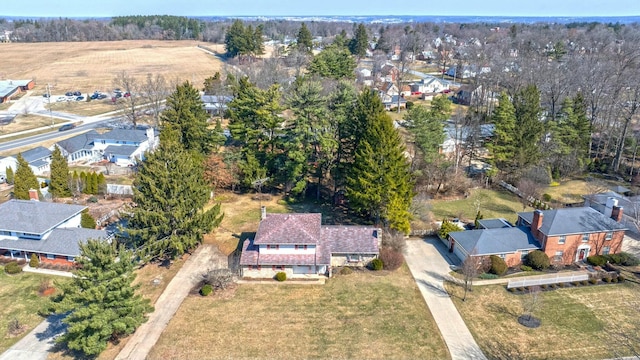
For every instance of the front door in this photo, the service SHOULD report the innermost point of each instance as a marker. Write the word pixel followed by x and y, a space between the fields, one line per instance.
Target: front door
pixel 583 253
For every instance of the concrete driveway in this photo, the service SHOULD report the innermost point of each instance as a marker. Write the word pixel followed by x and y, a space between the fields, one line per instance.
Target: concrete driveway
pixel 36 344
pixel 429 264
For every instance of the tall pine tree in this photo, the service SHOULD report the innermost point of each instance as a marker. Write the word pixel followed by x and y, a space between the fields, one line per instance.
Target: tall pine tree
pixel 100 299
pixel 170 194
pixel 529 128
pixel 59 185
pixel 503 145
pixel 360 42
pixel 304 40
pixel 24 180
pixel 379 184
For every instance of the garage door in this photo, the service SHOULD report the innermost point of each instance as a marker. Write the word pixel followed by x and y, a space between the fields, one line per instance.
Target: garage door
pixel 459 253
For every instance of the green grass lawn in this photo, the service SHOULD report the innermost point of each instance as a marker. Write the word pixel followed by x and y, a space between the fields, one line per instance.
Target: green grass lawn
pixel 19 299
pixel 575 322
pixel 493 204
pixel 364 315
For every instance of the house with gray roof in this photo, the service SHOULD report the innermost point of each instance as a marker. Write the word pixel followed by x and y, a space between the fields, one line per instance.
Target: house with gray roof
pixel 39 159
pixel 50 230
pixel 123 147
pixel 566 235
pixel 300 246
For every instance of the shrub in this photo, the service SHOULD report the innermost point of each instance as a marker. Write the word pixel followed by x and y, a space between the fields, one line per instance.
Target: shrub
pixel 376 264
pixel 511 289
pixel 585 282
pixel 543 286
pixel 33 262
pixel 553 286
pixel 546 197
pixel 627 259
pixel 596 260
pixel 391 259
pixel 526 268
pixel 346 271
pixel 613 258
pixel 538 260
pixel 206 290
pixel 575 283
pixel 561 285
pixel 521 289
pixel 86 220
pixel 446 228
pixel 12 268
pixel 614 280
pixel 219 279
pixel 621 278
pixel 45 284
pixel 410 104
pixel 592 281
pixel 281 276
pixel 92 199
pixel 498 266
pixel 606 279
pixel 487 276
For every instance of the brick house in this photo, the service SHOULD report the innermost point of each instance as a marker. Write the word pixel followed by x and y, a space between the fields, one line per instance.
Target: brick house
pixel 9 88
pixel 300 246
pixel 50 230
pixel 566 235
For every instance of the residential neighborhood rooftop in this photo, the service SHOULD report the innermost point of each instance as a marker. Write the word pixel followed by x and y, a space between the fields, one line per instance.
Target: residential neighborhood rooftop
pixel 33 216
pixel 61 241
pixel 351 239
pixel 289 229
pixel 496 240
pixel 578 220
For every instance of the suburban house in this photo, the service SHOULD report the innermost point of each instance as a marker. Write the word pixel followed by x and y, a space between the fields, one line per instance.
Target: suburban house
pixel 50 230
pixel 386 90
pixel 300 246
pixel 9 88
pixel 467 93
pixel 123 147
pixel 39 159
pixel 214 104
pixel 430 85
pixel 392 102
pixel 389 72
pixel 566 235
pixel 605 202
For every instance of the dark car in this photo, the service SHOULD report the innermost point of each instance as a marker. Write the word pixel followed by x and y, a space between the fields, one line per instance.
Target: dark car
pixel 77 93
pixel 94 96
pixel 45 95
pixel 68 93
pixel 80 98
pixel 66 127
pixel 102 96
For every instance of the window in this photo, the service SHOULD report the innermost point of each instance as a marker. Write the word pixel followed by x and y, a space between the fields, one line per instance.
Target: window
pixel 275 247
pixel 559 255
pixel 301 247
pixel 70 258
pixel 523 254
pixel 277 267
pixel 502 256
pixel 609 235
pixel 562 239
pixel 51 256
pixel 585 237
pixel 354 258
pixel 606 250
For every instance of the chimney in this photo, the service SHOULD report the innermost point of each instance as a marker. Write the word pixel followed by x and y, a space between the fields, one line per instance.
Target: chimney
pixel 263 212
pixel 537 222
pixel 151 136
pixel 616 213
pixel 609 205
pixel 33 195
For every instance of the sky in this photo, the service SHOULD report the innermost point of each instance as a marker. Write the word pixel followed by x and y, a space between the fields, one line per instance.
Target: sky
pixel 570 8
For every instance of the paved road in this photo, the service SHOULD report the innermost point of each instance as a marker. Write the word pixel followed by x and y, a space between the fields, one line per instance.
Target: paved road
pixel 429 267
pixel 141 342
pixel 36 344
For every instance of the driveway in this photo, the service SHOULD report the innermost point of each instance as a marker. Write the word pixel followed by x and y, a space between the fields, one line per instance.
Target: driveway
pixel 36 344
pixel 427 260
pixel 146 336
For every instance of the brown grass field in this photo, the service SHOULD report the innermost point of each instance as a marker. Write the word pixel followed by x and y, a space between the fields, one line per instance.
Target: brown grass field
pixel 363 315
pixel 87 66
pixel 575 322
pixel 26 122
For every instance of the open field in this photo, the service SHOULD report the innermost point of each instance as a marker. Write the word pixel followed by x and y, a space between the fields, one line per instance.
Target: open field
pixel 493 204
pixel 363 315
pixel 89 66
pixel 26 122
pixel 574 321
pixel 84 108
pixel 19 299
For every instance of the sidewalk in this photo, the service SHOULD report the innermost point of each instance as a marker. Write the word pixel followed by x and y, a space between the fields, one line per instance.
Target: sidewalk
pixel 28 268
pixel 429 268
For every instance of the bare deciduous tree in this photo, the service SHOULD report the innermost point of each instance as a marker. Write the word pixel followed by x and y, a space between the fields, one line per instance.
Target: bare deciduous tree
pixel 470 269
pixel 218 278
pixel 132 98
pixel 532 302
pixel 156 89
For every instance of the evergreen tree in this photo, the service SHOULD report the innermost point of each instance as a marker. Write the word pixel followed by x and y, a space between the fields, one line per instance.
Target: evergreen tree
pixel 24 180
pixel 360 42
pixel 235 40
pixel 333 62
pixel 379 184
pixel 100 299
pixel 186 114
pixel 528 132
pixel 86 220
pixel 428 131
pixel 170 194
pixel 10 176
pixel 341 107
pixel 304 40
pixel 94 184
pixel 75 182
pixel 84 186
pixel 503 145
pixel 102 184
pixel 383 43
pixel 568 147
pixel 59 185
pixel 341 39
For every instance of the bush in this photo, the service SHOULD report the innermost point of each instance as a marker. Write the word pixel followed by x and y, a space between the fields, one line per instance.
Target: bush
pixel 585 282
pixel 281 276
pixel 206 290
pixel 543 286
pixel 376 264
pixel 592 281
pixel 553 286
pixel 511 289
pixel 613 258
pixel 526 268
pixel 621 278
pixel 12 268
pixel 606 279
pixel 627 259
pixel 596 260
pixel 346 271
pixel 391 259
pixel 498 266
pixel 546 197
pixel 521 289
pixel 538 260
pixel 487 276
pixel 410 104
pixel 33 262
pixel 561 285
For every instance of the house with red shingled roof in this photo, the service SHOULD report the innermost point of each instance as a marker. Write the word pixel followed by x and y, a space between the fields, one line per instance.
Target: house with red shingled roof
pixel 300 246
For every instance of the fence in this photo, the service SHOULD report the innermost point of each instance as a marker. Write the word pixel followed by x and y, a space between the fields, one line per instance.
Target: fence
pixel 115 189
pixel 532 200
pixel 553 279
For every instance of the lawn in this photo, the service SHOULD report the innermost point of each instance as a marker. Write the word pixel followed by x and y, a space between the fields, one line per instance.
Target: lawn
pixel 84 108
pixel 19 299
pixel 574 321
pixel 27 122
pixel 493 204
pixel 363 315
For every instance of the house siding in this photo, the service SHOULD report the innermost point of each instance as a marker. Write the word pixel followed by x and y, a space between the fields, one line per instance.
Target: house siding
pixel 573 243
pixel 267 272
pixel 344 259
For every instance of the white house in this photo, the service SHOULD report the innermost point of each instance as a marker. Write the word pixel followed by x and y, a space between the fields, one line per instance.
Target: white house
pixel 216 105
pixel 430 84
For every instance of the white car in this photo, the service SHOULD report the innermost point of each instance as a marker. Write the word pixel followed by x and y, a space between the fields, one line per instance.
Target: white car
pixel 61 99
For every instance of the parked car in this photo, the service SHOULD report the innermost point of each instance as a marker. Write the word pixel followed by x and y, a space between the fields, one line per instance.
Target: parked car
pixel 102 96
pixel 61 99
pixel 68 93
pixel 46 95
pixel 77 93
pixel 80 98
pixel 127 94
pixel 66 127
pixel 94 96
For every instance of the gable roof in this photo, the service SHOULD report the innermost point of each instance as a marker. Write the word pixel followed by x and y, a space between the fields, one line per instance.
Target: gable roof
pixel 577 220
pixel 351 239
pixel 130 135
pixel 78 142
pixel 34 216
pixel 35 154
pixel 63 241
pixel 494 223
pixel 122 150
pixel 495 241
pixel 298 229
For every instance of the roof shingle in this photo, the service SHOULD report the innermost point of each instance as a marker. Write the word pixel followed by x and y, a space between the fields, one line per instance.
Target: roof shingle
pixel 35 217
